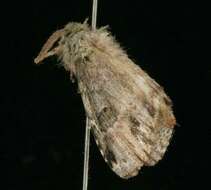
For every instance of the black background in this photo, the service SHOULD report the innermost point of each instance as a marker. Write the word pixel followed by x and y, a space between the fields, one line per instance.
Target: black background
pixel 42 116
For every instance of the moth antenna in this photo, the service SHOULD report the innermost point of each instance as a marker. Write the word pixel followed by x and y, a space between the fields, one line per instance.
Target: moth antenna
pixel 46 49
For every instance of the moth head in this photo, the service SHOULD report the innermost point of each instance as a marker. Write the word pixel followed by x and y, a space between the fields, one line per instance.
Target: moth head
pixel 54 44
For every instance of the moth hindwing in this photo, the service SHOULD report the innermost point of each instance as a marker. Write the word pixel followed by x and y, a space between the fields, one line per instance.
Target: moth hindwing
pixel 131 116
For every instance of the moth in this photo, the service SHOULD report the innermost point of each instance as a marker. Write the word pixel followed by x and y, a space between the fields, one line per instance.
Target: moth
pixel 129 113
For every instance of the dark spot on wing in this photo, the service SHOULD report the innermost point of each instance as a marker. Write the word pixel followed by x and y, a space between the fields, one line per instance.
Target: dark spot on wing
pixel 135 130
pixel 134 121
pixel 106 117
pixel 85 59
pixel 135 124
pixel 149 107
pixel 109 155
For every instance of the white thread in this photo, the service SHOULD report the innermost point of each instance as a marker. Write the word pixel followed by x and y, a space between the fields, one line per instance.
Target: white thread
pixel 94 15
pixel 86 155
pixel 87 133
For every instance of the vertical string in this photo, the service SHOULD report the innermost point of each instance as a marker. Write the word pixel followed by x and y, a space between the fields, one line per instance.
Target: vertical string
pixel 87 133
pixel 94 14
pixel 86 155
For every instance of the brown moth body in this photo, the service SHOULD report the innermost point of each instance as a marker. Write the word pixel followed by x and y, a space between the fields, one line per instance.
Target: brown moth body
pixel 129 113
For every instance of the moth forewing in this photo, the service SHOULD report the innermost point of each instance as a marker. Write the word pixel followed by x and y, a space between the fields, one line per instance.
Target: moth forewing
pixel 131 116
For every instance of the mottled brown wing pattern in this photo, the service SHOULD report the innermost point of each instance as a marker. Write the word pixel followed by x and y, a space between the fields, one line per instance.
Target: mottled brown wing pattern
pixel 132 115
